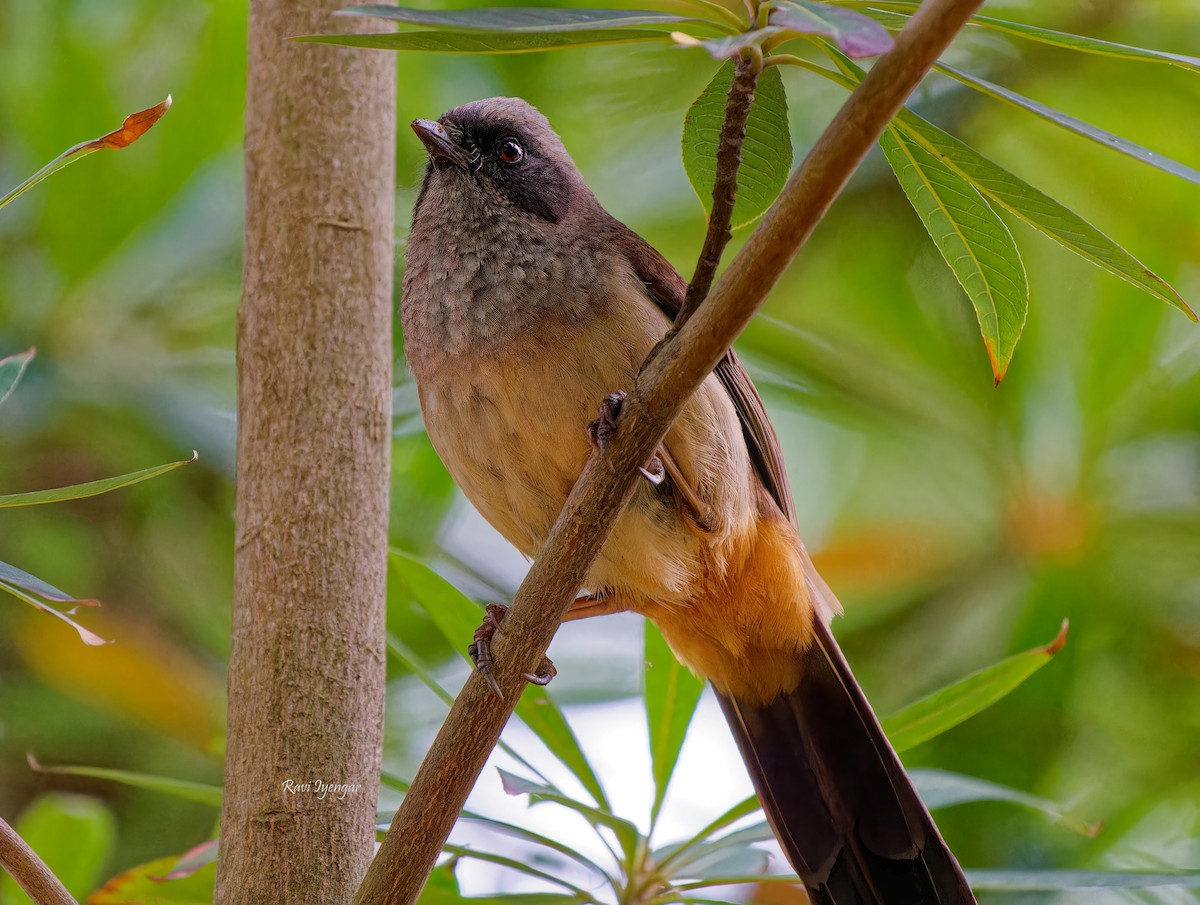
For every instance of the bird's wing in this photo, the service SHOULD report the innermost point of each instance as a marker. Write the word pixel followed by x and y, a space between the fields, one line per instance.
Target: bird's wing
pixel 666 288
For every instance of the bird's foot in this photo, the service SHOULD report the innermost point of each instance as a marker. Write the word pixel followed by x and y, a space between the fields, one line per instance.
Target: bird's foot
pixel 653 471
pixel 480 650
pixel 601 430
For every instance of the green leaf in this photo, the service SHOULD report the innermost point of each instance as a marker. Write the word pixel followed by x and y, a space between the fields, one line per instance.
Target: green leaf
pixel 696 859
pixel 73 834
pixel 457 617
pixel 1037 209
pixel 442 887
pixel 134 127
pixel 526 835
pixel 671 693
pixel 13 575
pixel 1071 124
pixel 525 19
pixel 1052 880
pixel 199 792
pixel 626 833
pixel 16 589
pixel 145 884
pixel 944 709
pixel 1085 44
pixel 529 870
pixel 942 789
pixel 400 652
pixel 1034 207
pixel 92 488
pixel 1080 43
pixel 678 851
pixel 490 42
pixel 857 35
pixel 766 152
pixel 973 240
pixel 11 369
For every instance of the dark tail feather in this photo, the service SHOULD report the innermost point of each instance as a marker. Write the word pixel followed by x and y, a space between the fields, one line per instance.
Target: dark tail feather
pixel 836 795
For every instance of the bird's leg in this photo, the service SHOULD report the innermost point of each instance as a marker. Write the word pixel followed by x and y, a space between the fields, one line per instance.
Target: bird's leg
pixel 599 603
pixel 601 430
pixel 480 650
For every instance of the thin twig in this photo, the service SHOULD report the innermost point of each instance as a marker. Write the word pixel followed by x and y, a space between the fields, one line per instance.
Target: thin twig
pixel 30 872
pixel 729 158
pixel 680 364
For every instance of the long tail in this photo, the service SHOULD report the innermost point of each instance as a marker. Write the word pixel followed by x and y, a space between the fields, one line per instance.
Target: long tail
pixel 836 795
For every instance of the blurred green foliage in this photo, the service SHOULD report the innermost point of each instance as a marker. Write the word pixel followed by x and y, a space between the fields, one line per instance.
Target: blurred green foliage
pixel 958 522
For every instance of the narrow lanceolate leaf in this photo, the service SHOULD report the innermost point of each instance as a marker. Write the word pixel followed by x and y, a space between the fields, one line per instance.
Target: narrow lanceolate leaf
pixel 445 41
pixel 1038 209
pixel 457 617
pixel 92 488
pixel 942 789
pixel 179 788
pixel 856 35
pixel 524 19
pixel 193 860
pixel 973 240
pixel 399 651
pixel 766 152
pixel 700 858
pixel 1085 44
pixel 13 575
pixel 944 709
pixel 19 584
pixel 462 851
pixel 679 850
pixel 626 832
pixel 525 835
pixel 1067 41
pixel 1056 880
pixel 1071 124
pixel 671 693
pixel 11 369
pixel 134 127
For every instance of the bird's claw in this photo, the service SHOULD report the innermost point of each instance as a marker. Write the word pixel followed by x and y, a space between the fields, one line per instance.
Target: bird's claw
pixel 601 429
pixel 545 674
pixel 480 650
pixel 653 471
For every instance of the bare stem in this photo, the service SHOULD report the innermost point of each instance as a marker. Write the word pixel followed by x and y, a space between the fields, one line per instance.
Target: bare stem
pixel 679 365
pixel 729 159
pixel 30 872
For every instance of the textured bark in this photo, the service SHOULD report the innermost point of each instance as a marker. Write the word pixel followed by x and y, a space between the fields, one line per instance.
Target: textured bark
pixel 306 671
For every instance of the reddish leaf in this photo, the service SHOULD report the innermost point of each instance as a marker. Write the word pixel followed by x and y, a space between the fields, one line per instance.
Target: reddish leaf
pixel 135 126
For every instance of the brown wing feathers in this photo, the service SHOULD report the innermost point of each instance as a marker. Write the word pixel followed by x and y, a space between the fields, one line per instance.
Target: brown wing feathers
pixel 833 789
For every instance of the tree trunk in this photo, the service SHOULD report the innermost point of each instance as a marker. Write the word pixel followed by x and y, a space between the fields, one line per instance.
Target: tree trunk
pixel 306 671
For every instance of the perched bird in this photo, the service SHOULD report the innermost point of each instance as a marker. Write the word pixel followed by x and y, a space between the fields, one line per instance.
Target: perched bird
pixel 525 303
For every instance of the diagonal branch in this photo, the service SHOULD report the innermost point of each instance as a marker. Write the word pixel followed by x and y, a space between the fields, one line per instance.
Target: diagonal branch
pixel 30 872
pixel 729 159
pixel 673 372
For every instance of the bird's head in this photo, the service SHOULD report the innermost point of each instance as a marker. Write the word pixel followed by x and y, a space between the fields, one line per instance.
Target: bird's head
pixel 501 151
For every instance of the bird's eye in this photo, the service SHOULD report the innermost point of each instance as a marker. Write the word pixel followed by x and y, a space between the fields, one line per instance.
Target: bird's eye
pixel 510 151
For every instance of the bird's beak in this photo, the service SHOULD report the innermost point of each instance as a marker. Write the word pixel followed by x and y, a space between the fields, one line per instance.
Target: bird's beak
pixel 438 142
